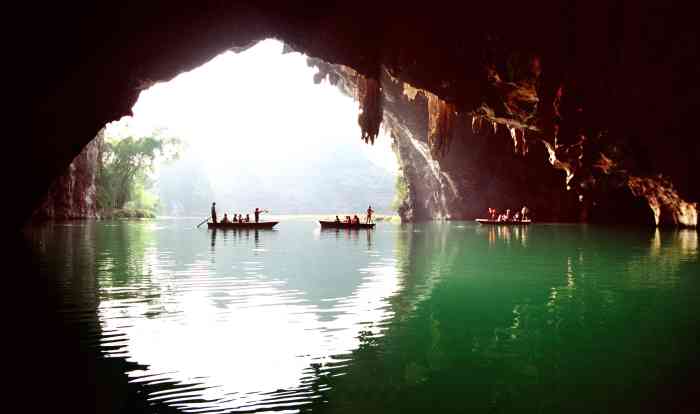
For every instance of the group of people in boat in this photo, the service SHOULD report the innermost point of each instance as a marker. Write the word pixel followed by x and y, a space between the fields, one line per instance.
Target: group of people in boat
pixel 355 219
pixel 237 218
pixel 522 215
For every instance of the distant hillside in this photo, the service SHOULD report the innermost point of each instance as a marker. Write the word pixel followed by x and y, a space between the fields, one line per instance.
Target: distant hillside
pixel 335 181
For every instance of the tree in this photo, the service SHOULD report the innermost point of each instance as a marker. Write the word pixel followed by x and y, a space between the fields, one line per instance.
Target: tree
pixel 126 164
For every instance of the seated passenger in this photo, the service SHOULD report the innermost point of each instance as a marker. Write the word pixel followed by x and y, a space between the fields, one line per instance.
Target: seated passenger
pixel 356 219
pixel 235 218
pixel 348 220
pixel 225 220
pixel 247 218
pixel 337 219
pixel 516 216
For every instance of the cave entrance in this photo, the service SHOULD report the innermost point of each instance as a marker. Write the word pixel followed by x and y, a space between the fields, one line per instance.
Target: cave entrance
pixel 256 129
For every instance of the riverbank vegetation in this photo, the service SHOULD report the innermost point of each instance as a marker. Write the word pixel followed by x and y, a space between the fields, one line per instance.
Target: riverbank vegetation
pixel 125 187
pixel 401 194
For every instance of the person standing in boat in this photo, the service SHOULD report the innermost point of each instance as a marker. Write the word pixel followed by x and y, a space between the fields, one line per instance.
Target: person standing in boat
pixel 257 215
pixel 213 212
pixel 369 214
pixel 524 213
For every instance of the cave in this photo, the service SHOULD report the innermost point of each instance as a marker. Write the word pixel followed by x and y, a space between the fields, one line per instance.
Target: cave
pixel 555 106
pixel 583 111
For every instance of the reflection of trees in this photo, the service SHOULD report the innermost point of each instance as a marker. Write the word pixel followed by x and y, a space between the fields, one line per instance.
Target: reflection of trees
pixel 71 364
pixel 69 249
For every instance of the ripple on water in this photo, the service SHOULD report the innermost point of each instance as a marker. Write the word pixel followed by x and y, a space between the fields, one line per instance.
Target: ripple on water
pixel 218 322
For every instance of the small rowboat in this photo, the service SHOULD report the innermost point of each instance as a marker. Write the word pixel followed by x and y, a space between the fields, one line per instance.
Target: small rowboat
pixel 226 226
pixel 341 225
pixel 505 223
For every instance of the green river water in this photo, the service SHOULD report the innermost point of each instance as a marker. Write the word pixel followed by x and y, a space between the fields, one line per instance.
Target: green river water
pixel 434 317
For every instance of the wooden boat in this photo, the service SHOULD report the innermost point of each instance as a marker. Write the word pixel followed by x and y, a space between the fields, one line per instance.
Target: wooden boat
pixel 342 225
pixel 505 223
pixel 226 226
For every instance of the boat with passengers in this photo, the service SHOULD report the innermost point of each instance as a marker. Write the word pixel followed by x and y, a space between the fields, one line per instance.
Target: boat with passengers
pixel 242 225
pixel 344 225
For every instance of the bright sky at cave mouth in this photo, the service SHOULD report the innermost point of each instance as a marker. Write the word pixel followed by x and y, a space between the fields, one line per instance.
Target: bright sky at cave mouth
pixel 256 109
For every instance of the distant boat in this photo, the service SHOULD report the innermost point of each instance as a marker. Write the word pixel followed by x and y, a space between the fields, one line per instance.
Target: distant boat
pixel 261 225
pixel 505 223
pixel 342 225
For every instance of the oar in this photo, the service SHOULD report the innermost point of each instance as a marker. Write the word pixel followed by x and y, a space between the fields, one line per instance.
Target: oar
pixel 205 220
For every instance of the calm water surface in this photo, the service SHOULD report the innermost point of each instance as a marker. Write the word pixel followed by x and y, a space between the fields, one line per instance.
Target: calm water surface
pixel 433 317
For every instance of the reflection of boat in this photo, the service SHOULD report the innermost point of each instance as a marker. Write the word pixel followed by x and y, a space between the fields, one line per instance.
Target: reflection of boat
pixel 341 225
pixel 504 223
pixel 226 226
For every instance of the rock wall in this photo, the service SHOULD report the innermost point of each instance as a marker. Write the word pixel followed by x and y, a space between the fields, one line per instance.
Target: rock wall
pixel 73 195
pixel 469 172
pixel 523 143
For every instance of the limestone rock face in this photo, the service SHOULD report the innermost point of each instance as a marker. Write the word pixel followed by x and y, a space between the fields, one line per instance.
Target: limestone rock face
pixel 73 195
pixel 668 207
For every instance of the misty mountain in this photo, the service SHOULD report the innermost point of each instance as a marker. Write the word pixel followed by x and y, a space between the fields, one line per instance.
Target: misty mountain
pixel 332 180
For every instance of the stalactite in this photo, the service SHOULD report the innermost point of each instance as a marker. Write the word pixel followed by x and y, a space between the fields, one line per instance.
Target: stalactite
pixel 558 164
pixel 410 92
pixel 441 124
pixel 476 124
pixel 605 164
pixel 518 136
pixel 369 95
pixel 513 136
pixel 482 126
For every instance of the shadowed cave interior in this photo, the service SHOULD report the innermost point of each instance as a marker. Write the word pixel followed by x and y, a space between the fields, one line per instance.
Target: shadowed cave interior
pixel 567 109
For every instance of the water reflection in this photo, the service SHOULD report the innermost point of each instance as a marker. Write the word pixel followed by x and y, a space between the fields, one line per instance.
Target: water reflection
pixel 239 324
pixel 238 234
pixel 668 251
pixel 504 233
pixel 393 319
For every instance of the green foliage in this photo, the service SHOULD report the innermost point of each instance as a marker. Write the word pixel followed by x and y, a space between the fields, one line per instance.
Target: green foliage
pixel 401 192
pixel 125 167
pixel 131 213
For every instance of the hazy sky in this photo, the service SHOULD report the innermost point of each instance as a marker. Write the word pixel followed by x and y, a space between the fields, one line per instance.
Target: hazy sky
pixel 256 109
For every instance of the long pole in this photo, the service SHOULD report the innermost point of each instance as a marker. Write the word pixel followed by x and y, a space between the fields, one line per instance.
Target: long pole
pixel 205 220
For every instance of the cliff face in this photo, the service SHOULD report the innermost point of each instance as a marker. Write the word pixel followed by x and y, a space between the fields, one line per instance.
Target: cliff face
pixel 73 195
pixel 561 106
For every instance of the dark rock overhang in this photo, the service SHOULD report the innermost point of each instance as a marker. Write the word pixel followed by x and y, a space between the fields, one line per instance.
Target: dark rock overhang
pixel 622 75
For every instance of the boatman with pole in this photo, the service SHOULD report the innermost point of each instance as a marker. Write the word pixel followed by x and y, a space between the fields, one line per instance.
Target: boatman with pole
pixel 213 212
pixel 369 214
pixel 257 215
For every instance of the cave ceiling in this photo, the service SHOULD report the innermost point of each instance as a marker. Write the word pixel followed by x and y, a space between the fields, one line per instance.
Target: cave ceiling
pixel 620 74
